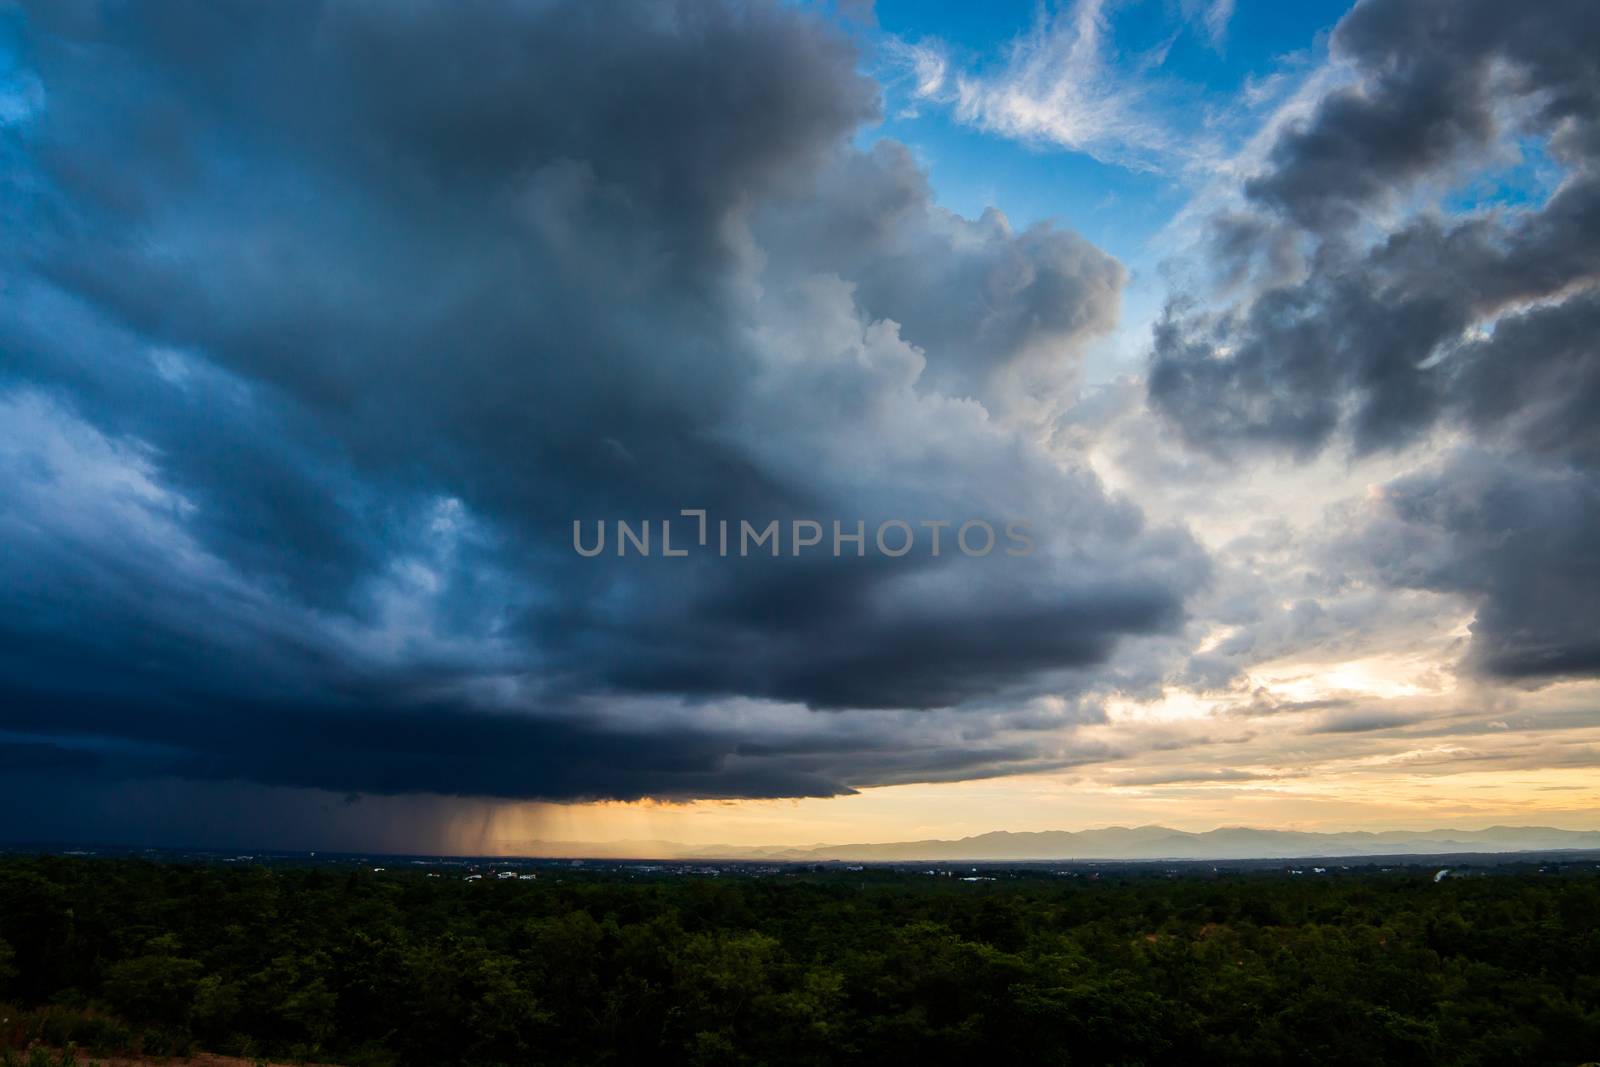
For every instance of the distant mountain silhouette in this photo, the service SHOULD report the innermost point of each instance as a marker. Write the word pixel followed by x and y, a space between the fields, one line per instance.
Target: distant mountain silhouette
pixel 1118 843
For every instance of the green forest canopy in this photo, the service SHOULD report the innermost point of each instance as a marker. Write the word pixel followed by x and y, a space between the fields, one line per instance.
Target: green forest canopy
pixel 803 966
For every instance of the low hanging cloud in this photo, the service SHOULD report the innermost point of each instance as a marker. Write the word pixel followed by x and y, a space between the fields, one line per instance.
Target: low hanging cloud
pixel 323 323
pixel 1379 311
pixel 1223 775
pixel 1514 536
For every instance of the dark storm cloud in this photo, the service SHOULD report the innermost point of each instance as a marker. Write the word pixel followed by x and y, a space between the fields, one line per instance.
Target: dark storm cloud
pixel 1536 381
pixel 1383 325
pixel 1349 343
pixel 1515 536
pixel 18 756
pixel 1436 72
pixel 322 322
pixel 1357 344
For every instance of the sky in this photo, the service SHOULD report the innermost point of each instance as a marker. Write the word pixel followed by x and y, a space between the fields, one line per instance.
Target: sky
pixel 1259 337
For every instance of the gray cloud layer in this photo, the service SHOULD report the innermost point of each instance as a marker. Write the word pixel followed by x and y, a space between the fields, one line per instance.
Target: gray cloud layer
pixel 1378 324
pixel 323 322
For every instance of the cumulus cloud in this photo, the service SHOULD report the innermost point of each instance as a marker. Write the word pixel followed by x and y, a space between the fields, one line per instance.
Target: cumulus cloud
pixel 1516 537
pixel 1356 342
pixel 1388 313
pixel 323 323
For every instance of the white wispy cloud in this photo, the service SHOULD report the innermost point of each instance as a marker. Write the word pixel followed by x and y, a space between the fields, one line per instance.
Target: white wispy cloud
pixel 1216 17
pixel 927 64
pixel 1064 84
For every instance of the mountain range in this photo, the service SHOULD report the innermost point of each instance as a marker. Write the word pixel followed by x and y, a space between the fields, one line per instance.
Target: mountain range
pixel 1112 843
